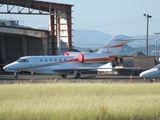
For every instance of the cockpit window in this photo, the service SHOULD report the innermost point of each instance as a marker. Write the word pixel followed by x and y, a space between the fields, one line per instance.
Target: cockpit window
pixel 156 67
pixel 22 60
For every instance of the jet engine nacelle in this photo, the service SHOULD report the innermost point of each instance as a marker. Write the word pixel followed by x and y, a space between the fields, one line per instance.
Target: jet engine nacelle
pixel 81 57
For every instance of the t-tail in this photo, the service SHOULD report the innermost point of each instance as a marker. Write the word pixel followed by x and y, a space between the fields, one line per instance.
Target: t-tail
pixel 115 44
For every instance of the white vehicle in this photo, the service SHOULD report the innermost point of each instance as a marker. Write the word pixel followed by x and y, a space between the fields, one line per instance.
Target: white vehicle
pixel 151 73
pixel 9 22
pixel 70 62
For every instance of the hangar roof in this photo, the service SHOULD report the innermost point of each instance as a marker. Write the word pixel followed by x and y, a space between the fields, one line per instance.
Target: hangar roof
pixel 36 4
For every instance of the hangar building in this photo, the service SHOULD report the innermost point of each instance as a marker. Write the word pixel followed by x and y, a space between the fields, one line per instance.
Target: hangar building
pixel 17 41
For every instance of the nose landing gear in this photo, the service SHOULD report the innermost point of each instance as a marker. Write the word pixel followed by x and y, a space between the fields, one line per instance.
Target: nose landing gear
pixel 151 80
pixel 15 76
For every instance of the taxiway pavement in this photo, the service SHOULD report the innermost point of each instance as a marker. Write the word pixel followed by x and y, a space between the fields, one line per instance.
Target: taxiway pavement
pixel 86 78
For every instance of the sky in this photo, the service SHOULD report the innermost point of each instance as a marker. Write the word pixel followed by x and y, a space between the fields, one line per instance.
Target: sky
pixel 108 16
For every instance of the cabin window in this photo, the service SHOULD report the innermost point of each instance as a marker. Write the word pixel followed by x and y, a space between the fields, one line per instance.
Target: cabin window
pixel 46 60
pixel 60 60
pixel 158 66
pixel 51 60
pixel 41 60
pixel 55 60
pixel 64 59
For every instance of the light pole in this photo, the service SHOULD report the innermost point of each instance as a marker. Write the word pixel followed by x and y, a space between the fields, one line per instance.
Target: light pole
pixel 58 32
pixel 148 16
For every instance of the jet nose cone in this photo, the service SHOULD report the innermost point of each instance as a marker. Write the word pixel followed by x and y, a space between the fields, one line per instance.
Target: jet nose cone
pixel 149 73
pixel 8 68
pixel 145 73
pixel 5 68
pixel 141 74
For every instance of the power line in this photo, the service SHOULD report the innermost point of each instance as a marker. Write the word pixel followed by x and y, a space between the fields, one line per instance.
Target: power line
pixel 155 25
pixel 118 22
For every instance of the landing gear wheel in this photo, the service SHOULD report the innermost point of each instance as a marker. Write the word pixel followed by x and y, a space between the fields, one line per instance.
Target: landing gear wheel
pixel 78 75
pixel 64 76
pixel 15 76
pixel 152 80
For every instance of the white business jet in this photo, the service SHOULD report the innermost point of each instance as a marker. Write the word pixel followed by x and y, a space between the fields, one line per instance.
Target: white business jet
pixel 70 62
pixel 151 73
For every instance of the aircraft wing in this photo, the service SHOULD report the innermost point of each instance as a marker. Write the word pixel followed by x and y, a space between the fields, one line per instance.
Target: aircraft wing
pixel 130 68
pixel 72 69
pixel 94 68
pixel 79 69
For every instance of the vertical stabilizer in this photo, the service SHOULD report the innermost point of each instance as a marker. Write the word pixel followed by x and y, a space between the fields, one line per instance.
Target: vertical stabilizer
pixel 115 44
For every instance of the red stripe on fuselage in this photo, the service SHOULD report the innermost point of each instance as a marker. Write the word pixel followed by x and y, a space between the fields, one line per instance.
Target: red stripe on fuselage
pixel 114 46
pixel 111 58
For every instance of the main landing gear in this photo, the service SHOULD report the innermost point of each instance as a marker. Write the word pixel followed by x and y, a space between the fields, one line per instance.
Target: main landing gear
pixel 76 74
pixel 63 75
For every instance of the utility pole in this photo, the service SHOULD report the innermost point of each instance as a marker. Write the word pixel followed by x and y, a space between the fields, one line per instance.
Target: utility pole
pixel 148 16
pixel 156 40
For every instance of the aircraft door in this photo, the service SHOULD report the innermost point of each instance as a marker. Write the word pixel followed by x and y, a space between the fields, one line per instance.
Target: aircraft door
pixel 36 62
